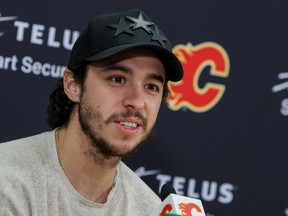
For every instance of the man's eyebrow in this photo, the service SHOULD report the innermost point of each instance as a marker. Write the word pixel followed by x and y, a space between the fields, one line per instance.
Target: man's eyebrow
pixel 118 67
pixel 157 77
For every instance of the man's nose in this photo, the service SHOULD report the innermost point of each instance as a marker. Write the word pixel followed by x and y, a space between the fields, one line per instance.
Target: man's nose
pixel 134 98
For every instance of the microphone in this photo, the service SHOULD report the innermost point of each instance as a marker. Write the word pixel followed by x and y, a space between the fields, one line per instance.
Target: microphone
pixel 175 205
pixel 166 190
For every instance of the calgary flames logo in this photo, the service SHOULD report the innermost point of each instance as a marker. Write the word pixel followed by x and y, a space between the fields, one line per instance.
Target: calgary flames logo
pixel 186 209
pixel 187 93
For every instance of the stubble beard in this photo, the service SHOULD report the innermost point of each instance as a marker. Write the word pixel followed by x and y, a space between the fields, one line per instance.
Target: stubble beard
pixel 100 150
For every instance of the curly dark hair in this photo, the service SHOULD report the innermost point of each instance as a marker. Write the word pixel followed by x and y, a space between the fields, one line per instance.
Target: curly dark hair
pixel 60 106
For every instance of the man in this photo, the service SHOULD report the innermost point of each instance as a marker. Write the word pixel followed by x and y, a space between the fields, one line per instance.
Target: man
pixel 102 110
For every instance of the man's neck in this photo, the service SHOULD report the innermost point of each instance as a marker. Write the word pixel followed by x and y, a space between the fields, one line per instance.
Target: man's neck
pixel 91 180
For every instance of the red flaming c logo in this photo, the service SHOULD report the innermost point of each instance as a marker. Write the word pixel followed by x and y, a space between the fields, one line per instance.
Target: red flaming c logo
pixel 186 208
pixel 187 93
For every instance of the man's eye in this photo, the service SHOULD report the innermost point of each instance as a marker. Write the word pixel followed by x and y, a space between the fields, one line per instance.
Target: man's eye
pixel 117 79
pixel 152 87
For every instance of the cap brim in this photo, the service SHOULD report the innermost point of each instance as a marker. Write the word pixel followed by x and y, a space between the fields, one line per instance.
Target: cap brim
pixel 173 67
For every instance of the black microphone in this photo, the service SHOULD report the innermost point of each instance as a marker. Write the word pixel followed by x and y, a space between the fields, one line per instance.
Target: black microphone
pixel 173 204
pixel 166 190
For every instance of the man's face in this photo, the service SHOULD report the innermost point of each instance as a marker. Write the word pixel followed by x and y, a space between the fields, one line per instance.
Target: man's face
pixel 120 101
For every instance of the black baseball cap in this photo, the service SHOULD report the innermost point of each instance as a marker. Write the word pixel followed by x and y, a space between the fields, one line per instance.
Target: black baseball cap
pixel 110 34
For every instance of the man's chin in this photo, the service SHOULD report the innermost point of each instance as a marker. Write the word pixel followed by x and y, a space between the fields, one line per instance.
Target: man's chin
pixel 125 152
pixel 124 149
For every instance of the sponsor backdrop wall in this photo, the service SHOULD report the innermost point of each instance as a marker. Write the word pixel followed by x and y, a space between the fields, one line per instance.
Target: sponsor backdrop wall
pixel 223 134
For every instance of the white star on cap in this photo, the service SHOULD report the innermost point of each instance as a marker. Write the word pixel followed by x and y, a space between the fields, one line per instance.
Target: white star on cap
pixel 141 23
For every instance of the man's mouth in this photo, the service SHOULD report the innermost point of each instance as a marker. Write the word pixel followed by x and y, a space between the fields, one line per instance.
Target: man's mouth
pixel 127 124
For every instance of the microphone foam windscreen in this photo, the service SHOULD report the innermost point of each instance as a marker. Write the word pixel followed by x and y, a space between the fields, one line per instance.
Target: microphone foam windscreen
pixel 166 190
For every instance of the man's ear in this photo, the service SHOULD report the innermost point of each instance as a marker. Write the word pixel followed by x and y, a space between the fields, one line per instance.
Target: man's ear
pixel 71 86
